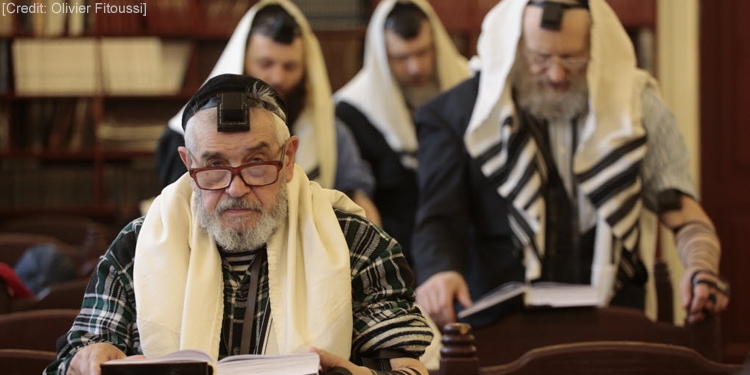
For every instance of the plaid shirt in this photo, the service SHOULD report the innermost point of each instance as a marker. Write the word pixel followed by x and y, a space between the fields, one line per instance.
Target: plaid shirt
pixel 383 309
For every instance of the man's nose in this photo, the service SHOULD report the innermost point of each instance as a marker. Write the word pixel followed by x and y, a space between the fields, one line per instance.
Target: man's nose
pixel 414 66
pixel 556 72
pixel 237 187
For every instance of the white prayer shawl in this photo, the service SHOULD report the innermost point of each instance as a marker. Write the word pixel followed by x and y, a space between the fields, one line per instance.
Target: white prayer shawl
pixel 178 276
pixel 376 93
pixel 315 125
pixel 612 143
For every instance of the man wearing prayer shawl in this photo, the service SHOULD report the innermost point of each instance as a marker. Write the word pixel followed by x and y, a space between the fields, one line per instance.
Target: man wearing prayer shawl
pixel 274 42
pixel 556 163
pixel 244 254
pixel 409 59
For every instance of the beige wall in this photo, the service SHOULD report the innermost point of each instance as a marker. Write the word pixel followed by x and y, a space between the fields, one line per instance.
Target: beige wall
pixel 677 68
pixel 678 72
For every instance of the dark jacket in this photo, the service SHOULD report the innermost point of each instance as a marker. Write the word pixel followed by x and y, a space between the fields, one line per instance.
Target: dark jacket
pixel 168 162
pixel 461 222
pixel 395 185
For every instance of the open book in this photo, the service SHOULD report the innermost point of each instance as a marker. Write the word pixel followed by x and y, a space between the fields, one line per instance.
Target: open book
pixel 540 294
pixel 195 362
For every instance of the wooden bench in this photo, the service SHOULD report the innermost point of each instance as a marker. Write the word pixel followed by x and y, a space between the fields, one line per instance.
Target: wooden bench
pixel 514 336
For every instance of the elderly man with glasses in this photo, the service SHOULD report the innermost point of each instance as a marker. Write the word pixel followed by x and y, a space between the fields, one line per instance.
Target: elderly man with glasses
pixel 244 254
pixel 555 163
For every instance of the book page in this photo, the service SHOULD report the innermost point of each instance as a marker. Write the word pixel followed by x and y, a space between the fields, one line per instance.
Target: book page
pixel 500 294
pixel 293 364
pixel 187 355
pixel 562 295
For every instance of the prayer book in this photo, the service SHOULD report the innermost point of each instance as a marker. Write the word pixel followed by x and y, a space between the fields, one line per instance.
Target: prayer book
pixel 517 295
pixel 196 362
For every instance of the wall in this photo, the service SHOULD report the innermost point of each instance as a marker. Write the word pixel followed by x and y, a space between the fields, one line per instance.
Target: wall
pixel 677 69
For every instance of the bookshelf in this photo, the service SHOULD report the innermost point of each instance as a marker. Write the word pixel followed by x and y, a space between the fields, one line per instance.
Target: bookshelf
pixel 83 94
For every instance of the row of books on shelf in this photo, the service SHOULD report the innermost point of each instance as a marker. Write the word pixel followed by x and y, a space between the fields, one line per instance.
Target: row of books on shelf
pixel 49 124
pixel 127 184
pixel 66 124
pixel 4 127
pixel 88 66
pixel 334 14
pixel 115 136
pixel 27 184
pixel 4 66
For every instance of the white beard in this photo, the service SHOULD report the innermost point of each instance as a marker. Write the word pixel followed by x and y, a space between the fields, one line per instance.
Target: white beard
pixel 249 238
pixel 544 103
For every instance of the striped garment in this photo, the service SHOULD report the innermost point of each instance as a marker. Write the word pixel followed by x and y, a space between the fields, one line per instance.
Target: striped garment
pixel 383 309
pixel 665 166
pixel 617 187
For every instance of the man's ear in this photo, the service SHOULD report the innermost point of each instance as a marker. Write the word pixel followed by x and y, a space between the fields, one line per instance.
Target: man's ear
pixel 184 156
pixel 289 155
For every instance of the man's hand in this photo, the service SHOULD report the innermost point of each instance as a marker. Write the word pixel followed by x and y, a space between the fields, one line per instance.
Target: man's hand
pixel 701 299
pixel 88 359
pixel 330 360
pixel 436 296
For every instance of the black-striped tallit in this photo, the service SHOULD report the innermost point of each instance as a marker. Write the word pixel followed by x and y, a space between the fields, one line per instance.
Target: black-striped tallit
pixel 606 163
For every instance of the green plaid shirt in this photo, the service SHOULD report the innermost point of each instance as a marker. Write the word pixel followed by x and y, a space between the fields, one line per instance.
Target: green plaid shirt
pixel 383 309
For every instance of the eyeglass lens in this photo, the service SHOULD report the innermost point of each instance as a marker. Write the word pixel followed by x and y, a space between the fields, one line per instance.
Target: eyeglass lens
pixel 251 174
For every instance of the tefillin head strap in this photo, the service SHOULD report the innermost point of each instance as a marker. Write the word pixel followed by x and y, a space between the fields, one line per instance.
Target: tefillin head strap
pixel 232 96
pixel 552 12
pixel 232 110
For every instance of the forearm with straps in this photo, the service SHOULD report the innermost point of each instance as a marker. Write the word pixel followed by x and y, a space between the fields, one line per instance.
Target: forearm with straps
pixel 698 246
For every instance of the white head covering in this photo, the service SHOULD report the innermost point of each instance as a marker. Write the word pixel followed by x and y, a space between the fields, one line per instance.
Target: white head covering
pixel 315 125
pixel 376 93
pixel 178 284
pixel 613 124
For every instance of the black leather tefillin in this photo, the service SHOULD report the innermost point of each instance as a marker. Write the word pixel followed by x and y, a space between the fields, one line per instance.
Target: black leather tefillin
pixel 552 12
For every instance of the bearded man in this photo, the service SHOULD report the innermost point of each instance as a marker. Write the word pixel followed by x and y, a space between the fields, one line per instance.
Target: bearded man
pixel 244 254
pixel 553 164
pixel 274 42
pixel 409 59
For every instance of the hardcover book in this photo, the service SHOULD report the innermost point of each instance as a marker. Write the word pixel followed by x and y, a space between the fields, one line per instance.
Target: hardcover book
pixel 196 362
pixel 516 295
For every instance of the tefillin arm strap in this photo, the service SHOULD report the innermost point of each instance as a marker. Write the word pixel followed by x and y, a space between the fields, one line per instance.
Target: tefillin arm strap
pixel 552 12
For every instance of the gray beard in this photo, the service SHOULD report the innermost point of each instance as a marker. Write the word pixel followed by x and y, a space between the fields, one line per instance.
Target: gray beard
pixel 249 238
pixel 546 104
